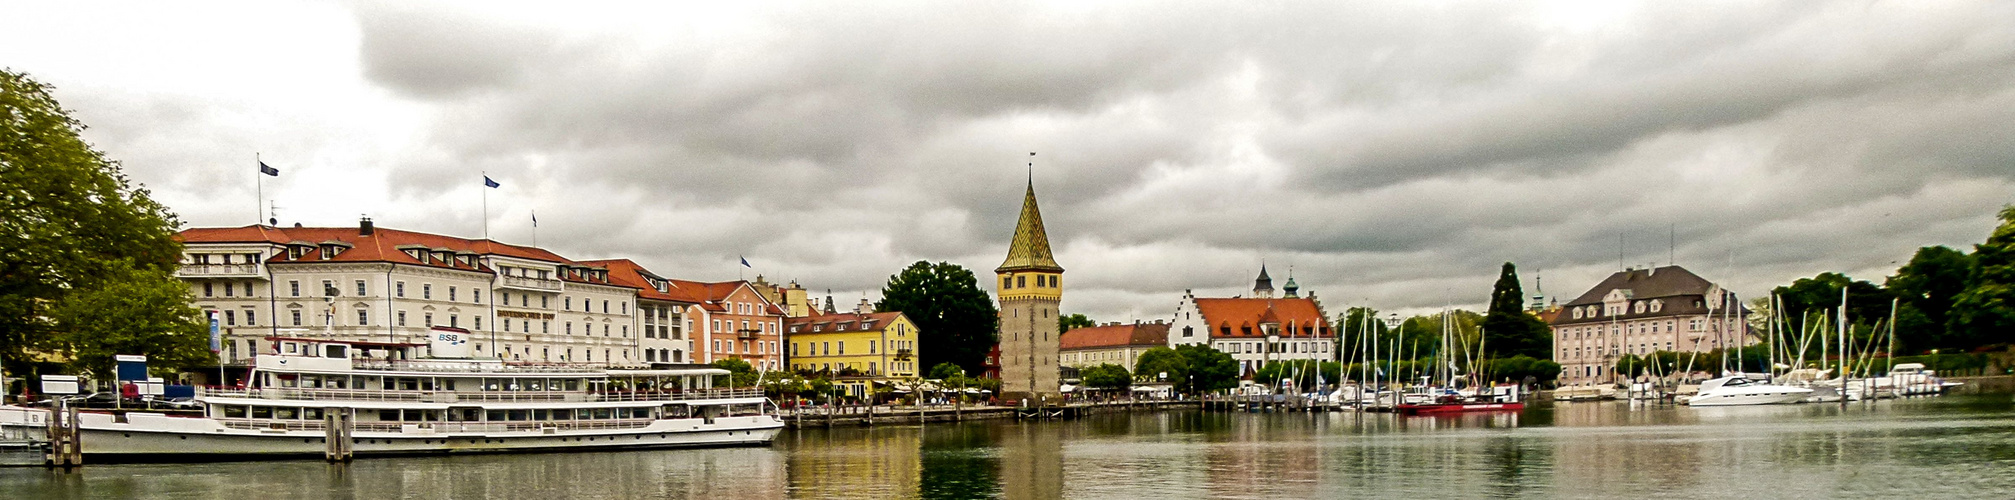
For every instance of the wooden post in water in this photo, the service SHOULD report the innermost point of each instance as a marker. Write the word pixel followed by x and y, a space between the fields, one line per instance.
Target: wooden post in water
pixel 65 448
pixel 338 427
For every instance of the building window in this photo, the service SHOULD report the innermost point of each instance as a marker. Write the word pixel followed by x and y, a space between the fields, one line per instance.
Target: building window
pixel 454 321
pixel 507 298
pixel 479 322
pixel 207 291
pixel 402 318
pixel 545 327
pixel 399 289
pixel 294 288
pixel 363 317
pixel 605 307
pixel 451 294
pixel 297 316
pixel 427 291
pixel 542 302
pixel 230 318
pixel 476 295
pixel 251 317
pixel 329 288
pixel 427 319
pixel 570 328
pixel 1021 282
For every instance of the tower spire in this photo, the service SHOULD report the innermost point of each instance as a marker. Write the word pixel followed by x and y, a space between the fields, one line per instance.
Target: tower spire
pixel 1030 250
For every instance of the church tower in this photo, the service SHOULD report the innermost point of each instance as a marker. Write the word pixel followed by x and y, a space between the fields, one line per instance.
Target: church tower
pixel 1031 284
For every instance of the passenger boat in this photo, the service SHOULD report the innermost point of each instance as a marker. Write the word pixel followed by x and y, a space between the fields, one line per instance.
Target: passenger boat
pixel 322 397
pixel 1497 398
pixel 1739 390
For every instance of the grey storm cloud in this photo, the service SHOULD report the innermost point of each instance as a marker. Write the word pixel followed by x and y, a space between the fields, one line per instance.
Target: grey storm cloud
pixel 1389 153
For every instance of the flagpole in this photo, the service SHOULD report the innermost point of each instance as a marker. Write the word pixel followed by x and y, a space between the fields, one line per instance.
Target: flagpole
pixel 259 180
pixel 535 228
pixel 486 205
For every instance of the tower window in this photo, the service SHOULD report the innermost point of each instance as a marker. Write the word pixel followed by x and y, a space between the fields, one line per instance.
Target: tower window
pixel 1021 282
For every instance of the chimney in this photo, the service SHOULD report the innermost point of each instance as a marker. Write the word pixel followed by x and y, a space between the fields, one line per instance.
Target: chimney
pixel 364 227
pixel 865 307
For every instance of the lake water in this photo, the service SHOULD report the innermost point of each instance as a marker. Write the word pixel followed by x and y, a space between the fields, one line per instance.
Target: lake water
pixel 1950 447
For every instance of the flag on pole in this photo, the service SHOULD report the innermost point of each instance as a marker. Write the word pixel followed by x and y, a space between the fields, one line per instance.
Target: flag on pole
pixel 264 169
pixel 745 262
pixel 535 218
pixel 489 183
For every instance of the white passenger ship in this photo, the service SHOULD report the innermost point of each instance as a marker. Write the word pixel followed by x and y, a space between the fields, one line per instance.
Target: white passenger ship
pixel 376 399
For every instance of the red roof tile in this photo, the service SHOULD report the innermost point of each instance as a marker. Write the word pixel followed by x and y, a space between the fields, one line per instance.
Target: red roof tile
pixel 1146 334
pixel 380 246
pixel 1298 317
pixel 842 322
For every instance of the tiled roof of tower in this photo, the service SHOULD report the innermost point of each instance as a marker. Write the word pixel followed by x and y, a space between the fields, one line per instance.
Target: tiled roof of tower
pixel 1092 337
pixel 1030 249
pixel 1297 317
pixel 382 245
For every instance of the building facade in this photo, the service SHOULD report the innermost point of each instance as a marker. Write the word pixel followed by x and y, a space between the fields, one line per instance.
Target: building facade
pixel 1257 330
pixel 1030 286
pixel 1115 343
pixel 857 349
pixel 739 323
pixel 1640 311
pixel 664 312
pixel 521 304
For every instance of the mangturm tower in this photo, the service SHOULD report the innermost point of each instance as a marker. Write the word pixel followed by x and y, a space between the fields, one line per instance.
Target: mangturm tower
pixel 1031 284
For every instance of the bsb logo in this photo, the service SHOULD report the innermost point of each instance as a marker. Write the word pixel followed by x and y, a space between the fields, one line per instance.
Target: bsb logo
pixel 451 338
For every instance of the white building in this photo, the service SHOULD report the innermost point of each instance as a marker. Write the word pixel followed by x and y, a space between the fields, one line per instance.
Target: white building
pixel 1257 330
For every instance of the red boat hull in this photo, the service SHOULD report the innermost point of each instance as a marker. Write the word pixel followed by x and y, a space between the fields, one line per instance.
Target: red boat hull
pixel 1440 408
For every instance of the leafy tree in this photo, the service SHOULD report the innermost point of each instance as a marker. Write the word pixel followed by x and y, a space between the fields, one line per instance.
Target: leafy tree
pixel 740 373
pixel 946 371
pixel 1927 287
pixel 1066 322
pixel 1209 370
pixel 1819 296
pixel 1517 368
pixel 956 320
pixel 1508 329
pixel 1159 360
pixel 72 225
pixel 1354 323
pixel 1106 376
pixel 1985 313
pixel 150 314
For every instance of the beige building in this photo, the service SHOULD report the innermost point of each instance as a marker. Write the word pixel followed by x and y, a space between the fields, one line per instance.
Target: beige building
pixel 1115 343
pixel 1030 288
pixel 1641 311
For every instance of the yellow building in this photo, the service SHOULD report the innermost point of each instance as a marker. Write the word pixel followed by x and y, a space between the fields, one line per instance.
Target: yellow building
pixel 856 349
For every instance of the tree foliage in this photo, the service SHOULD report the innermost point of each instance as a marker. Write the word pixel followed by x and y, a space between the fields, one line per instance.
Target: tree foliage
pixel 956 320
pixel 1209 370
pixel 1510 331
pixel 1985 313
pixel 1106 376
pixel 1069 321
pixel 74 227
pixel 946 371
pixel 740 373
pixel 1155 362
pixel 1927 287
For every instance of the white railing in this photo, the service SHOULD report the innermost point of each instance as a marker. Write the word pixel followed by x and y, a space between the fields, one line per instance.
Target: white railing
pixel 532 283
pixel 437 396
pixel 260 424
pixel 196 270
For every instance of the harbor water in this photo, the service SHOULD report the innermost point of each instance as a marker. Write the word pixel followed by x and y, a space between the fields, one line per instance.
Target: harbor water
pixel 1948 447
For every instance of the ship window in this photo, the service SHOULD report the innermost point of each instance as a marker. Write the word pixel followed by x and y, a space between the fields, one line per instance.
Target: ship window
pixel 262 412
pixel 573 384
pixel 285 413
pixel 311 413
pixel 234 411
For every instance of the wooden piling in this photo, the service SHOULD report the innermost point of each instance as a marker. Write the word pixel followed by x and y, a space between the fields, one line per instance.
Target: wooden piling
pixel 66 448
pixel 338 434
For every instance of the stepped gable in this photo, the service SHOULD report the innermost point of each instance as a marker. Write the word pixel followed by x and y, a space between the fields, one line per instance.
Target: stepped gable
pixel 1297 317
pixel 1140 334
pixel 1030 249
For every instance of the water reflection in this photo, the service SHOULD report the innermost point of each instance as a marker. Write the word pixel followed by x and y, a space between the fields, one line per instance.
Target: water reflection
pixel 1945 447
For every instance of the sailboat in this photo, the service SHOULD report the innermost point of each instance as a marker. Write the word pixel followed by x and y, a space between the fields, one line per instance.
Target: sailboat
pixel 1445 401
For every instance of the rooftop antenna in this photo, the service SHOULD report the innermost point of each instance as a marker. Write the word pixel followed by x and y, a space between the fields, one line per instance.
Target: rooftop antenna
pixel 273 213
pixel 1031 168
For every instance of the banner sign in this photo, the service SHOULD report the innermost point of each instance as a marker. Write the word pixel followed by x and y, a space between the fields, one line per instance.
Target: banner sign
pixel 216 341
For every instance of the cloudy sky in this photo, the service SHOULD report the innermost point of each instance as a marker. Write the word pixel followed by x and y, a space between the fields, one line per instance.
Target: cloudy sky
pixel 1390 153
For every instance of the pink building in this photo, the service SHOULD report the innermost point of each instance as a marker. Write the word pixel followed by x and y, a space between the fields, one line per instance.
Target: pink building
pixel 1641 311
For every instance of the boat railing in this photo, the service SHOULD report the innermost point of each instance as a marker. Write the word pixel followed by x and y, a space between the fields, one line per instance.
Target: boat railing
pixel 441 427
pixel 441 396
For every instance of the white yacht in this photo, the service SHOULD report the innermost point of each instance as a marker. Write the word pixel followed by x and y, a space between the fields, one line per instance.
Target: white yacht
pixel 315 397
pixel 1738 390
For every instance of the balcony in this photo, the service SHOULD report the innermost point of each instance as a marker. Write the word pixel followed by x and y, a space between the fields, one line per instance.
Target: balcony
pixel 747 333
pixel 219 271
pixel 902 354
pixel 531 284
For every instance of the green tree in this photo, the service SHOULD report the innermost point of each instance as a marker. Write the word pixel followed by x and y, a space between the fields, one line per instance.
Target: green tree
pixel 1155 362
pixel 1508 329
pixel 946 371
pixel 740 373
pixel 1066 322
pixel 1927 288
pixel 956 320
pixel 1985 313
pixel 1209 370
pixel 1106 376
pixel 72 225
pixel 145 314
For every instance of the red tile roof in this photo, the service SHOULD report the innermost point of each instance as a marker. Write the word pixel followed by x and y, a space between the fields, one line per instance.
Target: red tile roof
pixel 840 323
pixel 382 245
pixel 628 273
pixel 711 295
pixel 1093 337
pixel 1299 317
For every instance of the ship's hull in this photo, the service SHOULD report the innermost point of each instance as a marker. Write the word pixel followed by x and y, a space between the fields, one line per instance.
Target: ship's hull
pixel 1438 408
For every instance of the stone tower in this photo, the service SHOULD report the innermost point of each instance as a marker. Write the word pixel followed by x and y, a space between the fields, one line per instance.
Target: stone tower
pixel 1031 284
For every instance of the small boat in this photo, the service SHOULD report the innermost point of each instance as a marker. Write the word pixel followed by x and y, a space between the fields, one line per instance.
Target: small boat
pixel 1738 390
pixel 1498 398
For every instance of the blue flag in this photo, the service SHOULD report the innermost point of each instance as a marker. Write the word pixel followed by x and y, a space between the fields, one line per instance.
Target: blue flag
pixel 268 170
pixel 535 219
pixel 745 262
pixel 489 183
